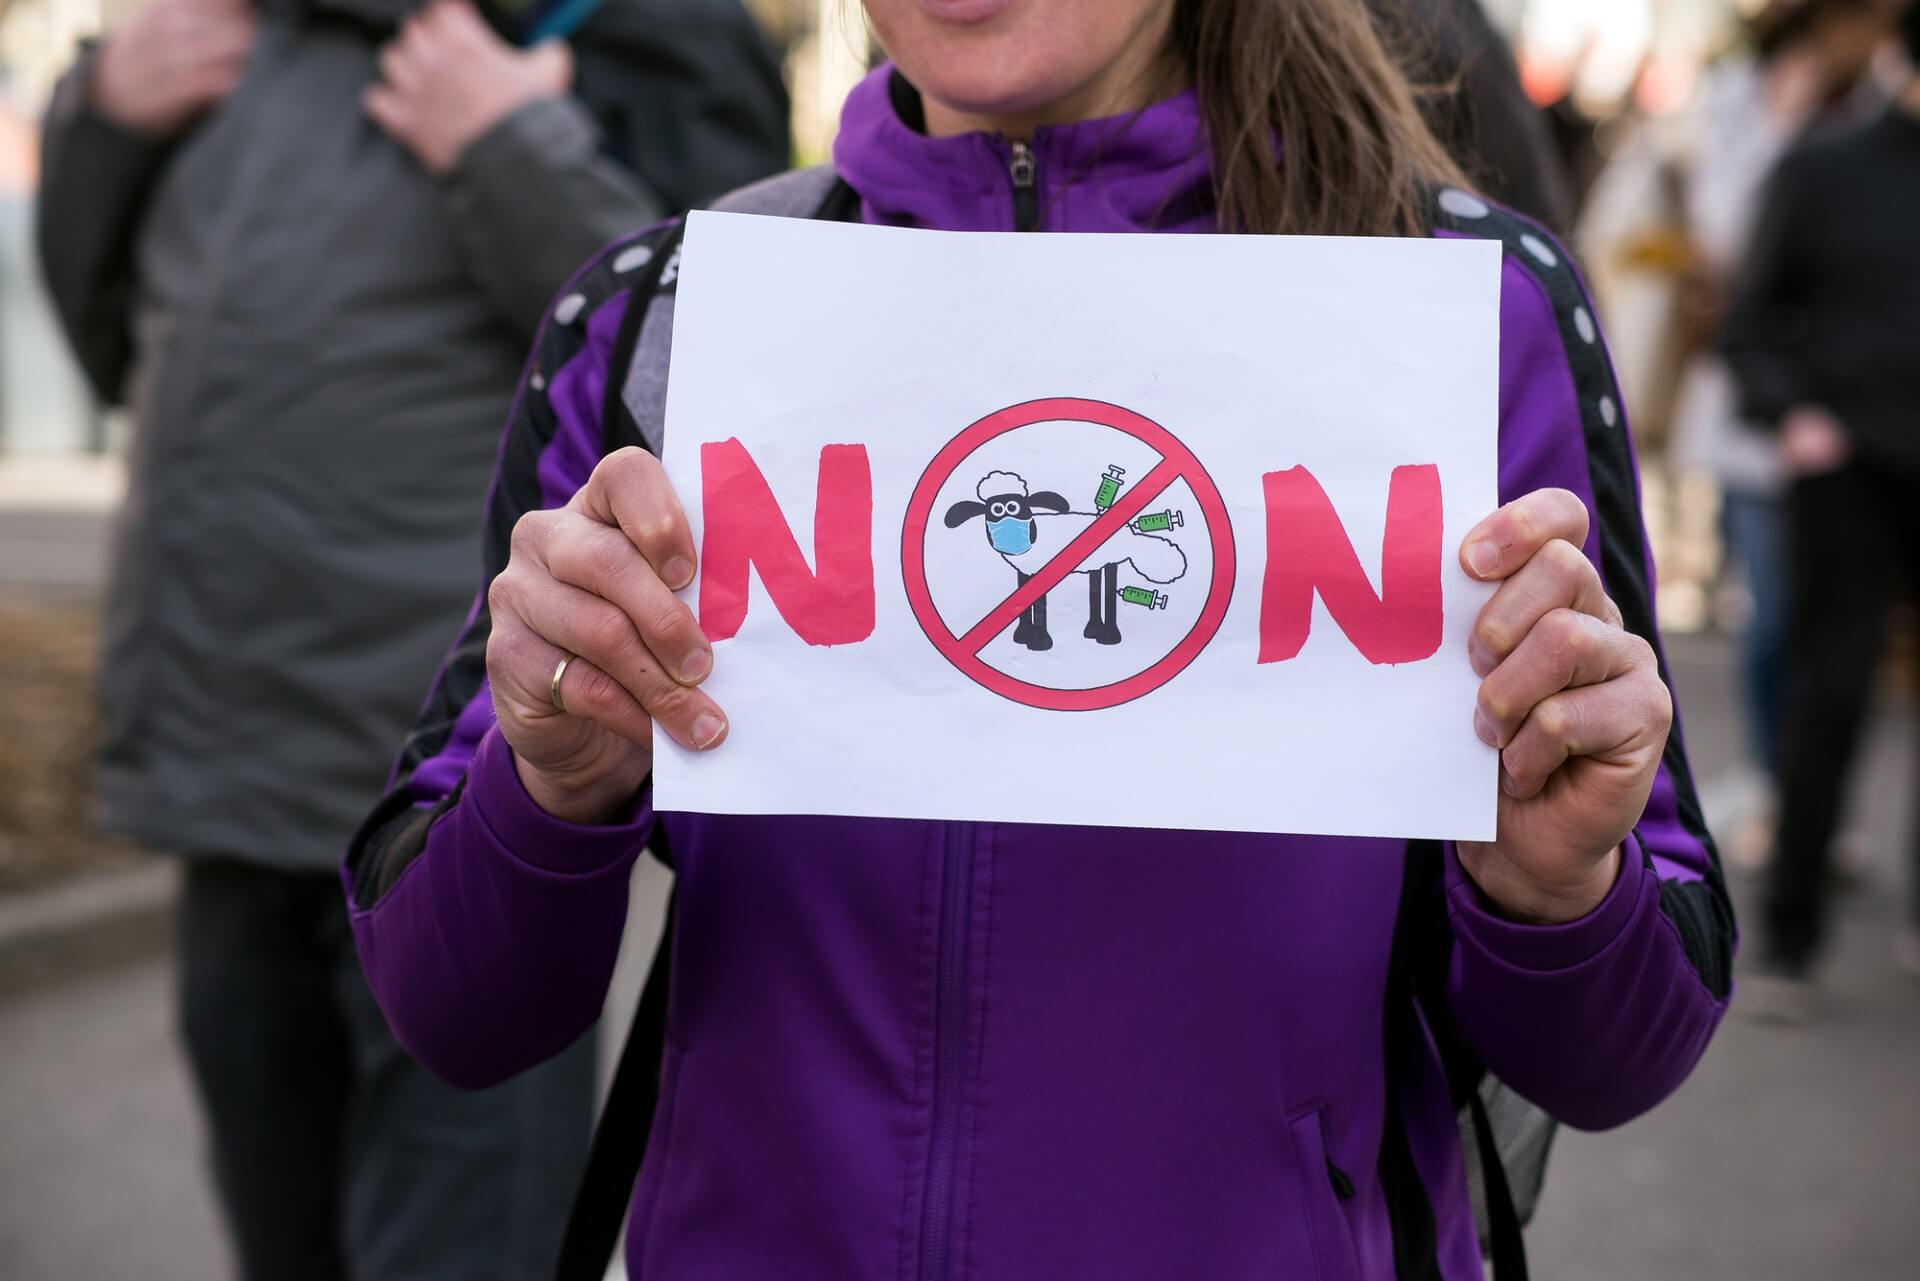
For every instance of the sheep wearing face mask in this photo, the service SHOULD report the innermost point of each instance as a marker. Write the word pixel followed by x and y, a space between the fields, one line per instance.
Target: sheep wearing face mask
pixel 1028 530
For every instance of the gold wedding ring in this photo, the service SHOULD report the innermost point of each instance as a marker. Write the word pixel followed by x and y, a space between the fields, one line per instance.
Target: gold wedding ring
pixel 560 674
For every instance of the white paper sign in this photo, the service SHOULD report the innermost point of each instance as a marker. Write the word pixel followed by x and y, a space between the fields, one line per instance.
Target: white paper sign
pixel 1148 531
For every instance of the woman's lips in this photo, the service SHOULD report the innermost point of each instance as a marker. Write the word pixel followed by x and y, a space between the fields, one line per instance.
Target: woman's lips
pixel 966 12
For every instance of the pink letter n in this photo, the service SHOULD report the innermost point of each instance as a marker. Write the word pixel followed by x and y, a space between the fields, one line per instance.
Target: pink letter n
pixel 830 605
pixel 1308 550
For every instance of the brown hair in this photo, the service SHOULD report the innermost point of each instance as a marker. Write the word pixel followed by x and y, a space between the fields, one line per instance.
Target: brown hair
pixel 1314 79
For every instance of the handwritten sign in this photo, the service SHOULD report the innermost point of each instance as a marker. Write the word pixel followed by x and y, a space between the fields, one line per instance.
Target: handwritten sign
pixel 1145 531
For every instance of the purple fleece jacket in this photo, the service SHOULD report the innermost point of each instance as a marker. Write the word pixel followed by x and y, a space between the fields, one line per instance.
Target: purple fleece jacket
pixel 944 1050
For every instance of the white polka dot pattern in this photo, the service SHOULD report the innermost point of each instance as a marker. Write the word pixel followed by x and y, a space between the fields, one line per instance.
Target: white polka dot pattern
pixel 568 309
pixel 538 382
pixel 1569 308
pixel 1461 205
pixel 1538 248
pixel 632 259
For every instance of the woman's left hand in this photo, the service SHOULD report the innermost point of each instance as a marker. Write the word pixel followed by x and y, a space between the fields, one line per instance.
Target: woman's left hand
pixel 1574 702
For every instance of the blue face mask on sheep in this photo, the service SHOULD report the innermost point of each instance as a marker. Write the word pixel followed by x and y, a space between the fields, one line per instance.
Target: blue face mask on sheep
pixel 1009 518
pixel 1011 536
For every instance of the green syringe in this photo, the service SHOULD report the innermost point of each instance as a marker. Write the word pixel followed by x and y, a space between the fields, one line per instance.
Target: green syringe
pixel 1159 522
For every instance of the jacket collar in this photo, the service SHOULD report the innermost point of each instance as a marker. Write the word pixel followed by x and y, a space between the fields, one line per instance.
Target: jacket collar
pixel 1144 171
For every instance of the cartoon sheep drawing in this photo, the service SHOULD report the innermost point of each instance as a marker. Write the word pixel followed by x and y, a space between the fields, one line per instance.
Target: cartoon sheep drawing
pixel 1029 529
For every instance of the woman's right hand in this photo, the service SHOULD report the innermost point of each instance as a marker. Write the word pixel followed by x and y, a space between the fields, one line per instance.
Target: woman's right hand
pixel 595 579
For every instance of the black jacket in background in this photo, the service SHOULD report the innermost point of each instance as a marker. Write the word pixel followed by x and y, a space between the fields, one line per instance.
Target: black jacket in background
pixel 1826 306
pixel 1491 127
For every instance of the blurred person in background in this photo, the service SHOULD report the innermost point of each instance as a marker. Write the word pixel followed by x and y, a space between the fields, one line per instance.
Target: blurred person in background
pixel 1823 337
pixel 1808 67
pixel 1473 101
pixel 308 242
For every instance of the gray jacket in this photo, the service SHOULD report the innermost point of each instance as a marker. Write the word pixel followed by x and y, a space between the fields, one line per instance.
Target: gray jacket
pixel 319 342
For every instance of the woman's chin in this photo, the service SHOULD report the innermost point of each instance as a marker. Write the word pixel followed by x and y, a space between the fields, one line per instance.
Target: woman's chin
pixel 1006 59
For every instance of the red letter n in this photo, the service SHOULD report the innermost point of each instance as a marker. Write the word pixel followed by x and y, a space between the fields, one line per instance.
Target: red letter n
pixel 833 606
pixel 1308 550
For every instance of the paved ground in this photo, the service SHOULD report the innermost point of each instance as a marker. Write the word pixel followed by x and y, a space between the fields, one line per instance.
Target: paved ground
pixel 101 1171
pixel 54 518
pixel 1793 1154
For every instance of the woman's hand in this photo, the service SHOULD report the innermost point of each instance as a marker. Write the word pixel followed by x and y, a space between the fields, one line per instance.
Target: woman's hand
pixel 448 78
pixel 595 579
pixel 1573 701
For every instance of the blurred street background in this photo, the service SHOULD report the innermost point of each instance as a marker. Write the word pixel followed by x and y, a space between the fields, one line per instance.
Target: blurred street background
pixel 1793 1153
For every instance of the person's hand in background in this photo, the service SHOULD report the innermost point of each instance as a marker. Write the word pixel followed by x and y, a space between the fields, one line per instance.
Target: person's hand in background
pixel 172 60
pixel 1812 442
pixel 447 79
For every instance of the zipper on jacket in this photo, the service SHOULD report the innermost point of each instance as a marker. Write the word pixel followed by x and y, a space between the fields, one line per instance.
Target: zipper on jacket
pixel 1342 1185
pixel 949 1052
pixel 1026 196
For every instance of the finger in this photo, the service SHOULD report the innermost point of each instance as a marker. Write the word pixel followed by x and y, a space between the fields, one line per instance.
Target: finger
pixel 187 37
pixel 460 24
pixel 399 66
pixel 600 559
pixel 554 60
pixel 225 61
pixel 582 623
pixel 528 663
pixel 1592 721
pixel 426 40
pixel 215 83
pixel 1558 577
pixel 203 35
pixel 1564 650
pixel 235 34
pixel 630 490
pixel 580 552
pixel 1506 540
pixel 389 110
pixel 228 50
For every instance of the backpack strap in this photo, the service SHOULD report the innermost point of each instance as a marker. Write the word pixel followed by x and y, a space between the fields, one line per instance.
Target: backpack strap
pixel 1506 1248
pixel 1428 936
pixel 633 413
pixel 650 301
pixel 636 396
pixel 1410 1217
pixel 620 1135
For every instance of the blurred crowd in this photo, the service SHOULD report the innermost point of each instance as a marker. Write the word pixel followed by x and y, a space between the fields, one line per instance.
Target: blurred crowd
pixel 1764 313
pixel 346 219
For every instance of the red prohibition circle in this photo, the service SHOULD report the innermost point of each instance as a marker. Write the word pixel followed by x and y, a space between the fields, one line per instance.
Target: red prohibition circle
pixel 1177 463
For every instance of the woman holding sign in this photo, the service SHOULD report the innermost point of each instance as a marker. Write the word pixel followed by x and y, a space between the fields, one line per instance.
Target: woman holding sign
pixel 946 1050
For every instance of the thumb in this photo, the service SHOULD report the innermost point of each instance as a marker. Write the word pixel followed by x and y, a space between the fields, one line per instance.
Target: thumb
pixel 387 109
pixel 553 59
